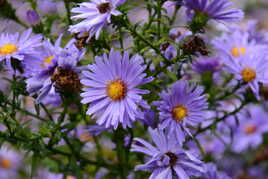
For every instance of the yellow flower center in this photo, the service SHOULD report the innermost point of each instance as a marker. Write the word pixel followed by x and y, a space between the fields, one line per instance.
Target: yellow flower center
pixel 116 90
pixel 237 51
pixel 250 129
pixel 5 163
pixel 179 112
pixel 48 60
pixel 8 49
pixel 248 74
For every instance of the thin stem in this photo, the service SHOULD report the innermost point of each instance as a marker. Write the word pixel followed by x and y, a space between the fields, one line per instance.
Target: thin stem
pixel 220 119
pixel 228 93
pixel 46 111
pixel 25 111
pixel 159 18
pixel 174 16
pixel 121 38
pixel 68 11
pixel 140 37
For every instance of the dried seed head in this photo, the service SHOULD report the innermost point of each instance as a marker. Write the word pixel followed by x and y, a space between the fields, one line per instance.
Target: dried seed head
pixel 66 80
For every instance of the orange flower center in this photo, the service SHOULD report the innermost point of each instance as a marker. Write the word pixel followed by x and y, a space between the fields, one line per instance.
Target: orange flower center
pixel 8 49
pixel 116 90
pixel 5 163
pixel 237 51
pixel 248 74
pixel 250 129
pixel 179 112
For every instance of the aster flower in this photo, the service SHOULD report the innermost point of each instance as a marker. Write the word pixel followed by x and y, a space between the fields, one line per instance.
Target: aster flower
pixel 259 36
pixel 57 74
pixel 46 7
pixel 169 8
pixel 10 161
pixel 32 17
pixel 167 158
pixel 221 10
pixel 250 69
pixel 204 64
pixel 252 125
pixel 213 173
pixel 45 174
pixel 111 89
pixel 96 15
pixel 211 144
pixel 236 44
pixel 182 106
pixel 102 172
pixel 168 50
pixel 47 53
pixel 95 130
pixel 83 134
pixel 18 46
pixel 148 118
pixel 179 34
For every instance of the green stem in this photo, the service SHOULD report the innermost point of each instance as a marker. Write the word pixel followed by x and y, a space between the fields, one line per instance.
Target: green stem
pixel 24 111
pixel 220 119
pixel 159 7
pixel 121 153
pixel 140 37
pixel 68 11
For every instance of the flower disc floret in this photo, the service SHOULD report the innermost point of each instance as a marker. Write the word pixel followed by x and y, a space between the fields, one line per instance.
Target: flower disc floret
pixel 179 112
pixel 237 51
pixel 5 163
pixel 116 90
pixel 248 74
pixel 8 49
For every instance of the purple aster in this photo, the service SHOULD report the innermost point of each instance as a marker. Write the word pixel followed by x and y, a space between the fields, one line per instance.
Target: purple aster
pixel 250 69
pixel 259 36
pixel 221 10
pixel 47 7
pixel 57 74
pixel 102 172
pixel 181 107
pixel 47 52
pixel 148 118
pixel 10 162
pixel 45 174
pixel 205 64
pixel 96 130
pixel 169 8
pixel 211 144
pixel 18 46
pixel 32 17
pixel 167 158
pixel 252 125
pixel 111 89
pixel 236 44
pixel 96 15
pixel 83 134
pixel 168 50
pixel 213 173
pixel 179 34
